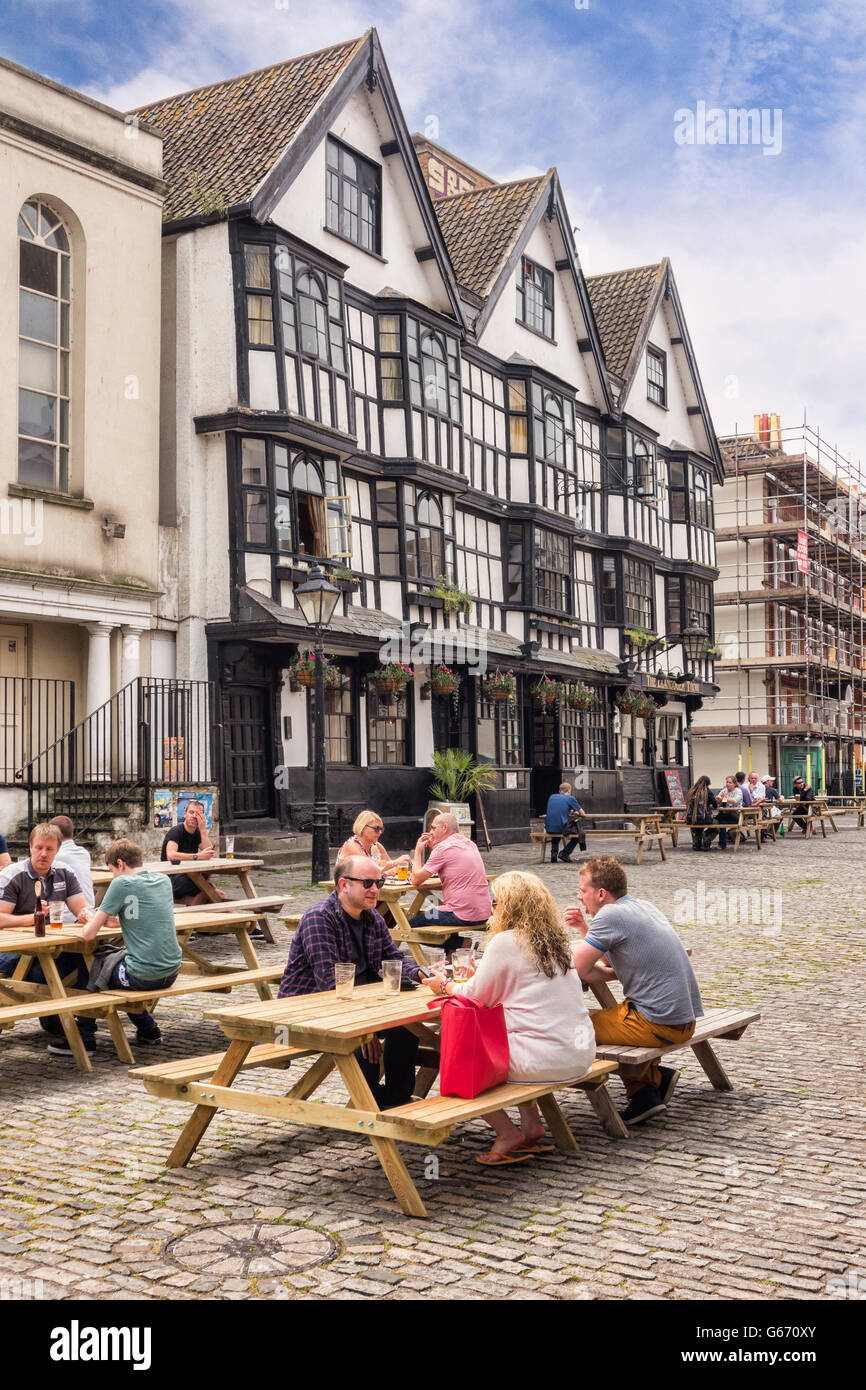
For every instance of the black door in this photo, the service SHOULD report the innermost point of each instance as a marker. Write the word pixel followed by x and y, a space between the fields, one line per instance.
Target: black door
pixel 546 760
pixel 249 773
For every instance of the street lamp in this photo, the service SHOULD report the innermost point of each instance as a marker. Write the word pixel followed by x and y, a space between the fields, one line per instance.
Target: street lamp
pixel 318 599
pixel 694 640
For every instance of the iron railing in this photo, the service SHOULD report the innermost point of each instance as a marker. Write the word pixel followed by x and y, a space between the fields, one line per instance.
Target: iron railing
pixel 154 730
pixel 34 712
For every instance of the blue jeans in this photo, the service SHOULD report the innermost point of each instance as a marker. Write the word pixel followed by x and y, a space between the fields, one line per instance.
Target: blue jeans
pixel 121 978
pixel 66 962
pixel 440 917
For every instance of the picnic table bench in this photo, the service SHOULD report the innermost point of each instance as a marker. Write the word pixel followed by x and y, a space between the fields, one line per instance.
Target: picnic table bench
pixel 200 872
pixel 818 811
pixel 29 999
pixel 716 1023
pixel 330 1030
pixel 647 829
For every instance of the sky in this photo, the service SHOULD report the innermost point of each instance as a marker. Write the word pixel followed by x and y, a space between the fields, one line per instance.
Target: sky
pixel 767 239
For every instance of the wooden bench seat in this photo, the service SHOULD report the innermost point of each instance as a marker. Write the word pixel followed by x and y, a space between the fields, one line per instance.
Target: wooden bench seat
pixel 716 1023
pixel 202 1068
pixel 587 832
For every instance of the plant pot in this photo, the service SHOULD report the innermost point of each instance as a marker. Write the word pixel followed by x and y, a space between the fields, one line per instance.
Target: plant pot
pixel 443 687
pixel 305 677
pixel 387 686
pixel 499 697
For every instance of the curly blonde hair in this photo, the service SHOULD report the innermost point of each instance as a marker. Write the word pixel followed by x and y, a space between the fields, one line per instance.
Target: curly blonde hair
pixel 525 906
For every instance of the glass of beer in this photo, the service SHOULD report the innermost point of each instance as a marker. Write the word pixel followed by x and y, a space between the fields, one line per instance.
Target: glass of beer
pixel 344 979
pixel 392 973
pixel 230 846
pixel 55 913
pixel 402 873
pixel 462 962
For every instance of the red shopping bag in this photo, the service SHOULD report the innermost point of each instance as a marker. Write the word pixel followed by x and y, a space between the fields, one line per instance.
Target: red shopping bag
pixel 474 1047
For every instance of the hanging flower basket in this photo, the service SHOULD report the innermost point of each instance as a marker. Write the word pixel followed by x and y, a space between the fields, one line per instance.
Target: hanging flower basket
pixel 545 692
pixel 637 703
pixel 581 697
pixel 302 671
pixel 391 679
pixel 443 681
pixel 500 687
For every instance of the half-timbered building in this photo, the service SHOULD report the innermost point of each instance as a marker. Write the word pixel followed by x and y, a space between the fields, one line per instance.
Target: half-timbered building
pixel 503 465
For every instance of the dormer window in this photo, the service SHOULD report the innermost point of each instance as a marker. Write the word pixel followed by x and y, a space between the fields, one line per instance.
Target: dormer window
pixel 656 376
pixel 354 197
pixel 535 298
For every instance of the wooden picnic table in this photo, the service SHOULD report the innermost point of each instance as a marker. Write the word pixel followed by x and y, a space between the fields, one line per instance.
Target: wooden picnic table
pixel 196 972
pixel 393 894
pixel 200 872
pixel 329 1030
pixel 647 825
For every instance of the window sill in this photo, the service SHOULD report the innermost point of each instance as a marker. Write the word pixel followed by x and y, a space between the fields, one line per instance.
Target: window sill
pixel 428 600
pixel 44 494
pixel 536 332
pixel 349 242
pixel 660 404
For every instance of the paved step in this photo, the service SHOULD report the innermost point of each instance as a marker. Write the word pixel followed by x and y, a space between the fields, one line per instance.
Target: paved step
pixel 278 851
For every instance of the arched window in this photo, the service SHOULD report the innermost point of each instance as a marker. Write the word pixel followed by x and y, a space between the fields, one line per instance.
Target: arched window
pixel 313 315
pixel 43 348
pixel 434 373
pixel 554 433
pixel 431 538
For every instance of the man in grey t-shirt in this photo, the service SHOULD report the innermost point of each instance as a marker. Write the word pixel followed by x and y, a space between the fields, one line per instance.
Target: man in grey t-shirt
pixel 630 940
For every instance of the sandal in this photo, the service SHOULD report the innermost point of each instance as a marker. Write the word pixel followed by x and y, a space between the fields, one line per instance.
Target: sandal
pixel 492 1160
pixel 539 1147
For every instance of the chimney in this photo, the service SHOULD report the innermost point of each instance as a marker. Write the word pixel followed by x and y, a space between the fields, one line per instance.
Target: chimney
pixel 775 433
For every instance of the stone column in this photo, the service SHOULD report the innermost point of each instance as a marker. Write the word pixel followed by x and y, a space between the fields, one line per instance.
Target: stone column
pixel 98 752
pixel 130 670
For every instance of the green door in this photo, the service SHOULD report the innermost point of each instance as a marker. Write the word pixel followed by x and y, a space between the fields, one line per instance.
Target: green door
pixel 798 760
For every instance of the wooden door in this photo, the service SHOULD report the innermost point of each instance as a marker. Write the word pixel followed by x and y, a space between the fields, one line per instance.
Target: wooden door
pixel 249 761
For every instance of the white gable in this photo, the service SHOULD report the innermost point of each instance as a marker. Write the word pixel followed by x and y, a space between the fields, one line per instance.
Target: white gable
pixel 363 124
pixel 674 424
pixel 503 335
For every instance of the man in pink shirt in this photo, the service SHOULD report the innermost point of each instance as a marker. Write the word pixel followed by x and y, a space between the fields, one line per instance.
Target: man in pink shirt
pixel 456 860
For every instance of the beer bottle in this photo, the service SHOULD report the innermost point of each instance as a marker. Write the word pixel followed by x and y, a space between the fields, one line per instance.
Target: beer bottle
pixel 39 914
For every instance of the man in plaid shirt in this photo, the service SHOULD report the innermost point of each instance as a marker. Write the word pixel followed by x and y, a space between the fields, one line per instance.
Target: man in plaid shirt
pixel 347 927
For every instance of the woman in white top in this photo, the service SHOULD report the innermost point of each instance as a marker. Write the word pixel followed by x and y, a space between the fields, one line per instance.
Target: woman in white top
pixel 527 968
pixel 365 840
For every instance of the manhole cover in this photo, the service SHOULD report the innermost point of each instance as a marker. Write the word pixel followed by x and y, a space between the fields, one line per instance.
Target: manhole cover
pixel 245 1249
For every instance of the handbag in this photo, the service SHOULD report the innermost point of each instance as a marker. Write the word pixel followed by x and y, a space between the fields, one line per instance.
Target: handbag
pixel 474 1047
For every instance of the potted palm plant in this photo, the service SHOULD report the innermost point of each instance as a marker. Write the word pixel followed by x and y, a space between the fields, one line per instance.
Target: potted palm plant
pixel 458 777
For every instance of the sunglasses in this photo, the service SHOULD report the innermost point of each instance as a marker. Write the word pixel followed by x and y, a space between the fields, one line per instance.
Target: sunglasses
pixel 367 882
pixel 378 828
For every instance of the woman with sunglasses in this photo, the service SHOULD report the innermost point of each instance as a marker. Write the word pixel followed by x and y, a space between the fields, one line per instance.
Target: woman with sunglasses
pixel 528 969
pixel 365 839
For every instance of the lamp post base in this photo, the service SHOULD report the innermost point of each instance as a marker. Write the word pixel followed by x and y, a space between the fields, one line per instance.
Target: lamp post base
pixel 321 845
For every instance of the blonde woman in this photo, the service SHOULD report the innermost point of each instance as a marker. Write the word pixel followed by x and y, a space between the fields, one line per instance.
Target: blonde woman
pixel 365 839
pixel 527 968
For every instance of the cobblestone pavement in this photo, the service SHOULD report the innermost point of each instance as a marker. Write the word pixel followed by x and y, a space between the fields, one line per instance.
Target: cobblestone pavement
pixel 757 1193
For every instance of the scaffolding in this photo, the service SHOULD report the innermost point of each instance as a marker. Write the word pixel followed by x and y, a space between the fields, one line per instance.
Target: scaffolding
pixel 790 608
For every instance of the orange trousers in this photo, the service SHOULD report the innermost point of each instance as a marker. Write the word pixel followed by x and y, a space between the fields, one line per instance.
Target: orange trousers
pixel 624 1023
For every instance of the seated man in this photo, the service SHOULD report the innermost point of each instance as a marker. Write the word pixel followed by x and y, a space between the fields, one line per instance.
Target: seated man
pixel 457 861
pixel 744 788
pixel 143 904
pixel 76 858
pixel 630 940
pixel 347 927
pixel 189 840
pixel 562 808
pixel 803 794
pixel 40 878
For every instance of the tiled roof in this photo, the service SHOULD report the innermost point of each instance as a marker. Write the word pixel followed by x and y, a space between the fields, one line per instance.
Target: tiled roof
pixel 221 141
pixel 481 227
pixel 619 303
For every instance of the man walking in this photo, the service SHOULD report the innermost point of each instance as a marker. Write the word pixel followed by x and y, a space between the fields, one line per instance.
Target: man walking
pixel 562 811
pixel 347 928
pixel 629 939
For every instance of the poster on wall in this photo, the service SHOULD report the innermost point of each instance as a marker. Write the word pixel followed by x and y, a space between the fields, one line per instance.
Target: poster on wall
pixel 163 808
pixel 206 801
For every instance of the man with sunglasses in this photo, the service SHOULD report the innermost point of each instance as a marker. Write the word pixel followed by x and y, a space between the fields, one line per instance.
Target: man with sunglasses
pixel 347 927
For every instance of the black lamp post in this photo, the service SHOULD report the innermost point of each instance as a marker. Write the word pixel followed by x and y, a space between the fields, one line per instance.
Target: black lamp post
pixel 318 599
